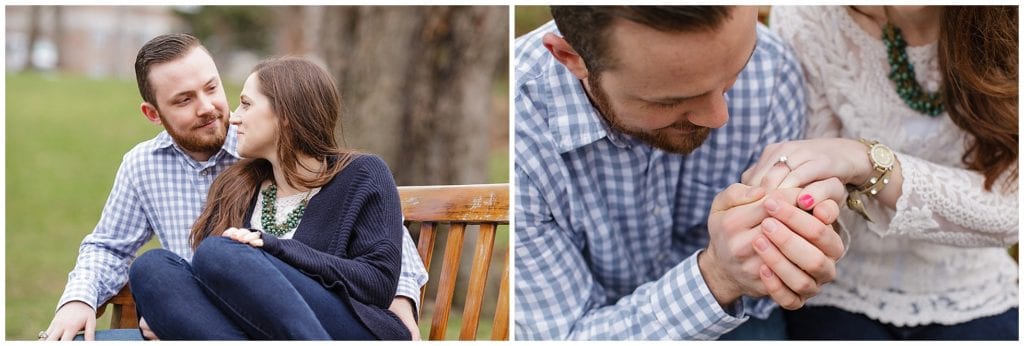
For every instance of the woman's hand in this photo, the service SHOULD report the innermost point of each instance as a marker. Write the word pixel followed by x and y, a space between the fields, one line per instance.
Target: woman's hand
pixel 809 161
pixel 146 332
pixel 244 235
pixel 799 246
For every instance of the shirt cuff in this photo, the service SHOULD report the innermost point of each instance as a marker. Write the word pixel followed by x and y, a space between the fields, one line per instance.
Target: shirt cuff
pixel 75 292
pixel 689 308
pixel 413 295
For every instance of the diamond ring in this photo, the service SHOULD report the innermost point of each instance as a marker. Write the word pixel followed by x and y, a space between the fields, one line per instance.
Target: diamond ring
pixel 784 160
pixel 43 334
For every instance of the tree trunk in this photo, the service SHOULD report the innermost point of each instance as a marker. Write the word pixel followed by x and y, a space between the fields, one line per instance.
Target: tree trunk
pixel 34 30
pixel 417 85
pixel 58 38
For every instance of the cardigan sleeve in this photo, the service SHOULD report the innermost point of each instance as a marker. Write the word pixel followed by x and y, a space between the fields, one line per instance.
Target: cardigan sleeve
pixel 369 266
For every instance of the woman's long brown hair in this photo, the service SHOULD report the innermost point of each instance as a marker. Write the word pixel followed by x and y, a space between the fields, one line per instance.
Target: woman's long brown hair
pixel 978 59
pixel 307 105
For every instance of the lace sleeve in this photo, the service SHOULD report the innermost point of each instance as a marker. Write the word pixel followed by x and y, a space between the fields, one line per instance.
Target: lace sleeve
pixel 797 27
pixel 949 205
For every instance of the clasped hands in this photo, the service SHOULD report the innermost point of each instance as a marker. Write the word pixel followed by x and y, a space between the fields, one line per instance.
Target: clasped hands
pixel 772 240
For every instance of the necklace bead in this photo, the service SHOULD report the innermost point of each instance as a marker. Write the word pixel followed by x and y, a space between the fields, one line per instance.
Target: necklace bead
pixel 269 209
pixel 902 74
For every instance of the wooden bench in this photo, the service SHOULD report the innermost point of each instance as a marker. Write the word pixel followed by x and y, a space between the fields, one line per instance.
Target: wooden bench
pixel 427 209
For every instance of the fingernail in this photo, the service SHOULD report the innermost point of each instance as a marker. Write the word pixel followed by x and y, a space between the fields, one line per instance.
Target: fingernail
pixel 766 272
pixel 771 205
pixel 769 225
pixel 761 244
pixel 806 201
pixel 753 192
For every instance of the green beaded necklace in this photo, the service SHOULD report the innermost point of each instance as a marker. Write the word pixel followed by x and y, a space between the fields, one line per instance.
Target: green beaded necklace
pixel 269 217
pixel 901 73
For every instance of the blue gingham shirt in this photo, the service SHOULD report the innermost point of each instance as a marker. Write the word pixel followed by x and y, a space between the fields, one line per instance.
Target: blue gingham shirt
pixel 161 190
pixel 608 228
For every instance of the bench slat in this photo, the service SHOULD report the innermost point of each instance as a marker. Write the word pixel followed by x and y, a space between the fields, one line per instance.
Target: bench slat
pixel 499 329
pixel 428 233
pixel 477 281
pixel 446 284
pixel 456 203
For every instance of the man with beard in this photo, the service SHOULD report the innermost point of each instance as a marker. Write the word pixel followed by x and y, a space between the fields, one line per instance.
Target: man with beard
pixel 626 129
pixel 162 185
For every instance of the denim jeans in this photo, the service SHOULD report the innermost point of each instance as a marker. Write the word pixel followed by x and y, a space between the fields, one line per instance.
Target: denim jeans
pixel 233 291
pixel 113 335
pixel 830 323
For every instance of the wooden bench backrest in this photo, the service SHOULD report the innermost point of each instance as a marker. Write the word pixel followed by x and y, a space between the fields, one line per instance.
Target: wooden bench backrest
pixel 430 206
pixel 460 206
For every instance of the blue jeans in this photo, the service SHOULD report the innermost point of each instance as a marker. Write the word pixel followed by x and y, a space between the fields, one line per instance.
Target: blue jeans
pixel 830 323
pixel 233 291
pixel 771 328
pixel 113 335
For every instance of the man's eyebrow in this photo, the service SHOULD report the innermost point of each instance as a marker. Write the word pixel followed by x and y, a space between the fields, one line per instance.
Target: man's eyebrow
pixel 190 92
pixel 673 100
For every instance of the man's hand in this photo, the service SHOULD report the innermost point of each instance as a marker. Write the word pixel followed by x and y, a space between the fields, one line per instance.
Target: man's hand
pixel 403 307
pixel 70 319
pixel 729 265
pixel 146 332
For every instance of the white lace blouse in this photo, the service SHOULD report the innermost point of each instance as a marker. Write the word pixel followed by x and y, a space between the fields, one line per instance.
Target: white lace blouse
pixel 940 256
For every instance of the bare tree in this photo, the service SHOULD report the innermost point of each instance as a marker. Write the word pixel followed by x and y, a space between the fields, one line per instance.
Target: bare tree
pixel 59 37
pixel 417 85
pixel 34 31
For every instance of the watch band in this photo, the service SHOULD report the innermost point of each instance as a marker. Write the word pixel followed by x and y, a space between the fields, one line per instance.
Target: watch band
pixel 883 160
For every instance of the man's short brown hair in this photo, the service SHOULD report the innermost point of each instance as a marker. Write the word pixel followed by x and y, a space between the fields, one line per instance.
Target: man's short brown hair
pixel 586 27
pixel 159 50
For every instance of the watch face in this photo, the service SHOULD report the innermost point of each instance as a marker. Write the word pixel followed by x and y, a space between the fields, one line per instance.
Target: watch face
pixel 882 156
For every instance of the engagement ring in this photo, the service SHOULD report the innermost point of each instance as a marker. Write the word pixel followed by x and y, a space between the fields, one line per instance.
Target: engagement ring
pixel 43 334
pixel 784 160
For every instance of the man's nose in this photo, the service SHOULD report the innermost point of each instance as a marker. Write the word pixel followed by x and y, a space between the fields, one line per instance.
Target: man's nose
pixel 714 112
pixel 205 105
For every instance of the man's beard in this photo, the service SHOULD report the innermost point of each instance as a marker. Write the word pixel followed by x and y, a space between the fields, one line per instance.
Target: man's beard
pixel 193 141
pixel 659 138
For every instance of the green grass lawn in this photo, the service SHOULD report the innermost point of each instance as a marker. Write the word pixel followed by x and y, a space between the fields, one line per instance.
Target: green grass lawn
pixel 65 139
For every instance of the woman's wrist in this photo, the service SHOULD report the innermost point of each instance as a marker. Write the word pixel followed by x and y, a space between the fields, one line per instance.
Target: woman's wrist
pixel 863 169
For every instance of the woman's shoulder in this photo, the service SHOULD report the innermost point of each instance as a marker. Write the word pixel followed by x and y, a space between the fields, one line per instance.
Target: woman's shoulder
pixel 807 25
pixel 366 162
pixel 363 169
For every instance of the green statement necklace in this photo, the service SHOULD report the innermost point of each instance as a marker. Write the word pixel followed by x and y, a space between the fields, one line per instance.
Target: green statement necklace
pixel 269 217
pixel 902 74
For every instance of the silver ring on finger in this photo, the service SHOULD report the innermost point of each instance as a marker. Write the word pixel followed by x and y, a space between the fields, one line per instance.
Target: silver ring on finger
pixel 785 161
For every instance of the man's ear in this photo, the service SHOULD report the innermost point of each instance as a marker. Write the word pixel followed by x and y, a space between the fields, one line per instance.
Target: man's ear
pixel 565 54
pixel 151 113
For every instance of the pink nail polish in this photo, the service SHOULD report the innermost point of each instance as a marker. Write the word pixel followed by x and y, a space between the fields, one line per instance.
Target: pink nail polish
pixel 806 201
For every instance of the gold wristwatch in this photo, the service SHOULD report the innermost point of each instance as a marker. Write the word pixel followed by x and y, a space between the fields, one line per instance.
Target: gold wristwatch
pixel 883 159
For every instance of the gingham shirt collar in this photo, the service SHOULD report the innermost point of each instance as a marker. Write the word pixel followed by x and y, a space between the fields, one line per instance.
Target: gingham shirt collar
pixel 581 123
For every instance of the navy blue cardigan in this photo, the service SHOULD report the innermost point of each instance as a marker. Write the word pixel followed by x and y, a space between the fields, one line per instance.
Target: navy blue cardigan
pixel 350 239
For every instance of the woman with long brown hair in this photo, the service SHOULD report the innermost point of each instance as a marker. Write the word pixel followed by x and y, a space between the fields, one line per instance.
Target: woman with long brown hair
pixel 301 240
pixel 914 108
